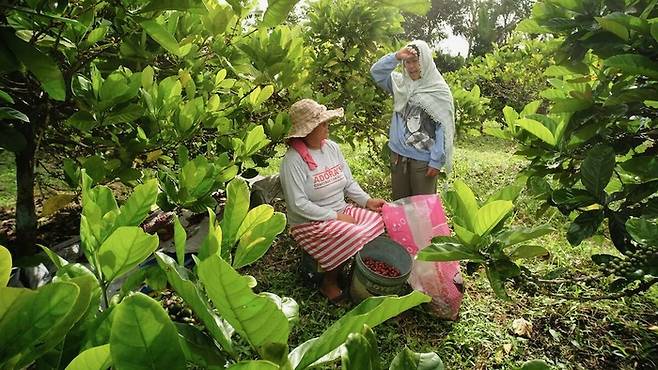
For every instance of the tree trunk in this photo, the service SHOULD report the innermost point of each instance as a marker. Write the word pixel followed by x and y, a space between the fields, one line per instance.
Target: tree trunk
pixel 26 217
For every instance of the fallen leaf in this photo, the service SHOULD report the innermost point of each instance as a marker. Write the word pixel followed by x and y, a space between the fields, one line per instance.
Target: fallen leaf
pixel 522 327
pixel 507 347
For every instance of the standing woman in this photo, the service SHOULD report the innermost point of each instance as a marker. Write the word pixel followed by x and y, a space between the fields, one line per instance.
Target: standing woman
pixel 422 126
pixel 315 180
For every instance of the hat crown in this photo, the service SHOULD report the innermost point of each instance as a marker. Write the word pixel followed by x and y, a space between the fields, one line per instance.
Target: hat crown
pixel 307 114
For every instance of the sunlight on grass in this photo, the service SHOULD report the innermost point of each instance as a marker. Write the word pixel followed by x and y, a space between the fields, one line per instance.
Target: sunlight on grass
pixel 7 179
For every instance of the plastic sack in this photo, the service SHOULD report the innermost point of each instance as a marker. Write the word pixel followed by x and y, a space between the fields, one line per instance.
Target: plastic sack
pixel 413 222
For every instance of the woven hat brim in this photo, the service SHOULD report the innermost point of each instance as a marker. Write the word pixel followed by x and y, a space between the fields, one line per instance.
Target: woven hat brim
pixel 325 116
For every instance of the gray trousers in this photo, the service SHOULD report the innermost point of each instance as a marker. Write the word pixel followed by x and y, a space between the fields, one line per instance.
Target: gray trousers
pixel 408 177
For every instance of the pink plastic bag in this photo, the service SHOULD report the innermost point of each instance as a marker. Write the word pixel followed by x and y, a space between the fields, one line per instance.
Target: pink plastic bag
pixel 413 222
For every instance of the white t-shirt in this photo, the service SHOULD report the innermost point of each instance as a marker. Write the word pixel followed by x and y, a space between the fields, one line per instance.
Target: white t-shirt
pixel 319 194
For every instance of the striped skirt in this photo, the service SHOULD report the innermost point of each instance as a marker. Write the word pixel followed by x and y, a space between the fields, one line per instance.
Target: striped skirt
pixel 333 242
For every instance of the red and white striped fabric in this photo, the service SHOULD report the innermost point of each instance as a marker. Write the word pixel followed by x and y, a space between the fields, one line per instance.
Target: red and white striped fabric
pixel 334 242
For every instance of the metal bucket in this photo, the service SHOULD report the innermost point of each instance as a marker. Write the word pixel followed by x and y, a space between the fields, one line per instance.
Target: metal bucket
pixel 367 283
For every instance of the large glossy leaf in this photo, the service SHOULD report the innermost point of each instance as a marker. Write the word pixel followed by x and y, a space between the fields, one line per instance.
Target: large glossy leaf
pixel 235 211
pixel 535 365
pixel 180 240
pixel 87 287
pixel 255 242
pixel 193 297
pixel 359 352
pixel 496 283
pixel 199 348
pixel 254 217
pixel 124 249
pixel 596 170
pixel 44 68
pixel 134 211
pixel 5 266
pixel 254 365
pixel 159 5
pixel 256 318
pixel 528 251
pixel 465 235
pixel 277 11
pixel 584 226
pixel 538 129
pixel 573 198
pixel 633 64
pixel 143 336
pixel 646 167
pixel 419 7
pixel 518 235
pixel 409 360
pixel 448 252
pixel 95 358
pixel 643 231
pixel 372 312
pixel 161 35
pixel 27 316
pixel 467 205
pixel 490 215
pixel 7 113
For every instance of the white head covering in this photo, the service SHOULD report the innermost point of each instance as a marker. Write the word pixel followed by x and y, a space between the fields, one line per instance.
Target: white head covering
pixel 430 92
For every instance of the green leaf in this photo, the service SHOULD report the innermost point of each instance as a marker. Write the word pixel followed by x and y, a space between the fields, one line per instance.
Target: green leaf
pixel 467 205
pixel 212 244
pixel 143 336
pixel 97 34
pixel 645 167
pixel 199 348
pixel 135 210
pixel 258 320
pixel 182 5
pixel 584 226
pixel 614 27
pixel 497 283
pixel 573 198
pixel 193 297
pixel 448 252
pixel 643 231
pixel 372 312
pixel 161 36
pixel 95 358
pixel 235 211
pixel 5 266
pixel 528 251
pixel 26 316
pixel 490 215
pixel 83 121
pixel 633 64
pixel 255 216
pixel 125 115
pixel 538 129
pixel 180 239
pixel 254 365
pixel 465 235
pixel 596 170
pixel 358 353
pixel 654 31
pixel 409 360
pixel 11 139
pixel 256 241
pixel 124 249
pixel 44 68
pixel 418 7
pixel 12 114
pixel 6 97
pixel 55 203
pixel 535 365
pixel 255 141
pixel 510 192
pixel 277 11
pixel 518 235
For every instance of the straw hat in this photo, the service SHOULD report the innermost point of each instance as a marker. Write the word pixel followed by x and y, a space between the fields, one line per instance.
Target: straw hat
pixel 307 114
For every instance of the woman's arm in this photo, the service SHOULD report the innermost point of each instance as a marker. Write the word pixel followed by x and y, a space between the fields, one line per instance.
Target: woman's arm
pixel 381 71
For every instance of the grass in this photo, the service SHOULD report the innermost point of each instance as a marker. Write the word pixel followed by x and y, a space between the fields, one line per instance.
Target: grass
pixel 568 334
pixel 7 179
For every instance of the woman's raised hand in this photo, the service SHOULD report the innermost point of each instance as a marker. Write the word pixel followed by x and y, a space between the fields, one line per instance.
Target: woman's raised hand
pixel 405 52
